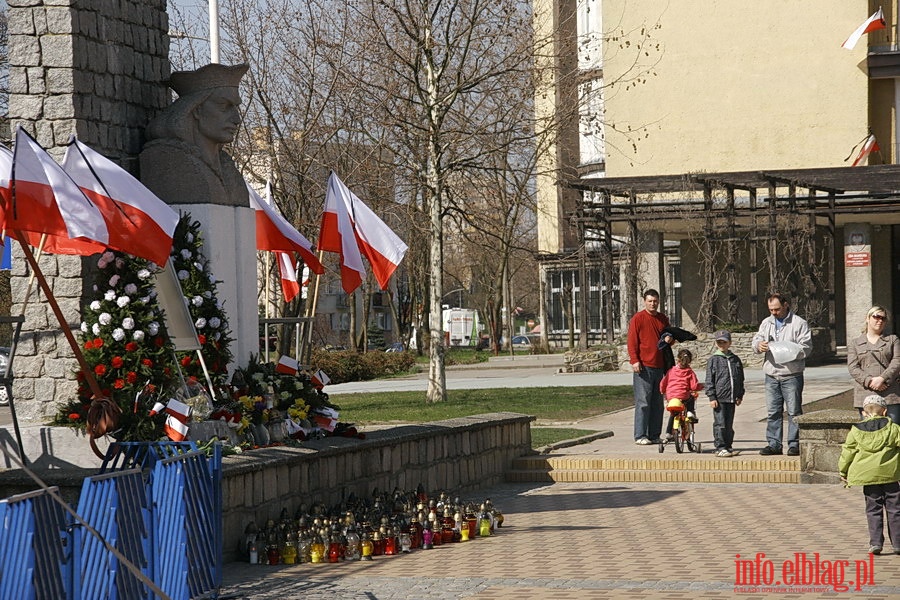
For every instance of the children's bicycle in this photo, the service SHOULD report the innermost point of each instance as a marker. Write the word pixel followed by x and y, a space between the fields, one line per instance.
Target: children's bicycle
pixel 682 428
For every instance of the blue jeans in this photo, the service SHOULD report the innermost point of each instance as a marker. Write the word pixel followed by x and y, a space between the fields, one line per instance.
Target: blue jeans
pixel 648 403
pixel 786 392
pixel 723 425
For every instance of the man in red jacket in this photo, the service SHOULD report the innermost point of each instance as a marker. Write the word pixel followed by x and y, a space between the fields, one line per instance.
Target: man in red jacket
pixel 644 331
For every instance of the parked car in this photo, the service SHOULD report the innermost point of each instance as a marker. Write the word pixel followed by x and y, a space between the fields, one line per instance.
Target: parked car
pixel 396 347
pixel 521 341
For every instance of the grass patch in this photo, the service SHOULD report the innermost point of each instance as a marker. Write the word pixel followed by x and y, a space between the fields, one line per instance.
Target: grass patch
pixel 549 403
pixel 544 436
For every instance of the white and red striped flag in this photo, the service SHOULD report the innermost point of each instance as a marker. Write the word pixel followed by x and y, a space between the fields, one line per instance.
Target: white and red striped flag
pixel 139 223
pixel 290 287
pixel 41 199
pixel 273 232
pixel 287 365
pixel 352 229
pixel 177 419
pixel 869 146
pixel 873 23
pixel 319 379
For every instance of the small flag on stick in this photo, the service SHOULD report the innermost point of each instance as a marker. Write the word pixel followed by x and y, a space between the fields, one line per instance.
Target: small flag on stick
pixel 873 23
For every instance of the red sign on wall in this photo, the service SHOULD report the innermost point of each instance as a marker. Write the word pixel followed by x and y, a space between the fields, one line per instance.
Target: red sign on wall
pixel 857 259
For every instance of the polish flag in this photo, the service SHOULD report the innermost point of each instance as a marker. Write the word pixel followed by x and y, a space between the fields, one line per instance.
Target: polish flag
pixel 873 23
pixel 350 228
pixel 326 418
pixel 320 379
pixel 290 287
pixel 177 419
pixel 868 147
pixel 273 232
pixel 139 223
pixel 41 199
pixel 287 365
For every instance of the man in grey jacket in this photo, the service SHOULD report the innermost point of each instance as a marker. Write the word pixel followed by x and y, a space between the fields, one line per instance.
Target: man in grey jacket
pixel 784 381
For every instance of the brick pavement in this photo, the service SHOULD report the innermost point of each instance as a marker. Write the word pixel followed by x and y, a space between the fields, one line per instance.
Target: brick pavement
pixel 606 541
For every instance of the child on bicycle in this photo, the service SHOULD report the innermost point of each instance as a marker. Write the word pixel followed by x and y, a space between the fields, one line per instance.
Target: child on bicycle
pixel 681 382
pixel 725 390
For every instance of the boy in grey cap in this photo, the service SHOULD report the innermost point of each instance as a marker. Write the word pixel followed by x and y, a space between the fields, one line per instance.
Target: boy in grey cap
pixel 871 458
pixel 725 390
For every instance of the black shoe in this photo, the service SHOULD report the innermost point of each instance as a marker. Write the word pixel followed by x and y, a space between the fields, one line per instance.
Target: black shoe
pixel 793 452
pixel 770 451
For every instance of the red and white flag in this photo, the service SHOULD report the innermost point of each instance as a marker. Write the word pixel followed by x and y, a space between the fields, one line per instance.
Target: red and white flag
pixel 873 23
pixel 41 199
pixel 287 365
pixel 868 147
pixel 273 232
pixel 352 229
pixel 325 418
pixel 139 223
pixel 319 379
pixel 290 287
pixel 177 419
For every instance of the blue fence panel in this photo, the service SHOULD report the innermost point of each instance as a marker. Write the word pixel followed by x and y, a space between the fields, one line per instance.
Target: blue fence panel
pixel 32 548
pixel 187 512
pixel 142 455
pixel 116 505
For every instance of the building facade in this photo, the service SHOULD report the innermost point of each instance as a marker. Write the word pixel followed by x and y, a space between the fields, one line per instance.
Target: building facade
pixel 690 143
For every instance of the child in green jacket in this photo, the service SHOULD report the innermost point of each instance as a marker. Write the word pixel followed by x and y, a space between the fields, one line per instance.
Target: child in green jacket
pixel 871 458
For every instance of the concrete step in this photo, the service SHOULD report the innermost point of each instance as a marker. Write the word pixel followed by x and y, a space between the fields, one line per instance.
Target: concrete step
pixel 684 468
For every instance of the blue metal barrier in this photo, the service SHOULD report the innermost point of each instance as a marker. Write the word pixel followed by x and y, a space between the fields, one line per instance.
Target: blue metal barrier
pixel 32 546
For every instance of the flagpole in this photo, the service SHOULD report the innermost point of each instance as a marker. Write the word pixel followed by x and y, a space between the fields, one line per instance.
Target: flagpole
pixel 31 277
pixel 311 313
pixel 63 324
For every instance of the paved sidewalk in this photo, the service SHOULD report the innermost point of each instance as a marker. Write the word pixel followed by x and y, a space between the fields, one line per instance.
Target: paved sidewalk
pixel 614 540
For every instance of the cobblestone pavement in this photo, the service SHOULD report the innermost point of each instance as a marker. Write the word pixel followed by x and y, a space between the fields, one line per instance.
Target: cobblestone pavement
pixel 620 540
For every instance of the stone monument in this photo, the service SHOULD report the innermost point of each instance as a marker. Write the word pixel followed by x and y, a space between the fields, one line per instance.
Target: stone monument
pixel 183 162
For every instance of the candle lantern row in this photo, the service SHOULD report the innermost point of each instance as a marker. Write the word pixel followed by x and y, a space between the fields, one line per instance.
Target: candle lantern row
pixel 361 529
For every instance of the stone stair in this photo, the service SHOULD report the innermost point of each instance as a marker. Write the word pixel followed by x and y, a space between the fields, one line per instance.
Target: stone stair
pixel 674 468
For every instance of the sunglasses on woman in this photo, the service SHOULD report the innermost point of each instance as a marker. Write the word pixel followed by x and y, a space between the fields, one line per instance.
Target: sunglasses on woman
pixel 879 317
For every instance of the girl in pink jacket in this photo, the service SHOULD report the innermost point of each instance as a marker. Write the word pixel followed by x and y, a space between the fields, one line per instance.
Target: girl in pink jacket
pixel 681 382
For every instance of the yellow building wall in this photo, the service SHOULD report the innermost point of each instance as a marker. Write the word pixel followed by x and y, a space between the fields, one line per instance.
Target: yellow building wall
pixel 734 85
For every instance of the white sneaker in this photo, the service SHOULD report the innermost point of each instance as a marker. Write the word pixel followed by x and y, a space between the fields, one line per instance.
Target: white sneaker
pixel 642 442
pixel 692 417
pixel 724 453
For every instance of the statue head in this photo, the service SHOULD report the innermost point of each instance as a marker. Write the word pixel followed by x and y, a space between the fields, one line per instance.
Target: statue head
pixel 206 111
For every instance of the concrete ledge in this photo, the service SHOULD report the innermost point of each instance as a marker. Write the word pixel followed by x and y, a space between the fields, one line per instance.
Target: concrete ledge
pixel 822 433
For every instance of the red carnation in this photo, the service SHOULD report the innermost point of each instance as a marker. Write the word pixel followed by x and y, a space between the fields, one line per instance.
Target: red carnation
pixel 185 361
pixel 202 339
pixel 98 342
pixel 100 370
pixel 119 384
pixel 131 346
pixel 117 362
pixel 131 377
pixel 88 345
pixel 74 416
pixel 147 362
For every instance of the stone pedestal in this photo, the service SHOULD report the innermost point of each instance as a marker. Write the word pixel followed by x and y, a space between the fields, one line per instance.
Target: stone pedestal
pixel 822 433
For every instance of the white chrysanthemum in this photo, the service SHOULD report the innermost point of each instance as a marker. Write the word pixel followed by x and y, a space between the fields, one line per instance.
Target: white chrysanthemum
pixel 109 296
pixel 214 322
pixel 95 288
pixel 114 280
pixel 108 256
pixel 189 237
pixel 182 275
pixel 143 274
pixel 105 318
pixel 84 327
pixel 138 335
pixel 216 336
pixel 197 301
pixel 102 263
pixel 127 323
pixel 207 294
pixel 96 328
pixel 131 289
pixel 120 263
pixel 153 328
pixel 200 323
pixel 144 299
pixel 123 301
pixel 198 266
pixel 185 253
pixel 95 305
pixel 118 334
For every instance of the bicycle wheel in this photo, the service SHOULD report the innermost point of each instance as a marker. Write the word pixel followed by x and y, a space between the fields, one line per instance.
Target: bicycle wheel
pixel 689 435
pixel 678 430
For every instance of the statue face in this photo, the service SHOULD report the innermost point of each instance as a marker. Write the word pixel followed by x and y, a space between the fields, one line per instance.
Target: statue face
pixel 218 117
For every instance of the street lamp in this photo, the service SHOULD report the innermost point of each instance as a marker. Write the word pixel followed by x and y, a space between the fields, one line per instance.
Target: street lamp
pixel 459 297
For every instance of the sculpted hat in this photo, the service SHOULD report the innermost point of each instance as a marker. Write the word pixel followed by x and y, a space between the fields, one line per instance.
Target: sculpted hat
pixel 206 78
pixel 874 400
pixel 722 335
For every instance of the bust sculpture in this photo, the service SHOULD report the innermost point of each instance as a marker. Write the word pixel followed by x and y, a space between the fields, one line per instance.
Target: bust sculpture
pixel 183 161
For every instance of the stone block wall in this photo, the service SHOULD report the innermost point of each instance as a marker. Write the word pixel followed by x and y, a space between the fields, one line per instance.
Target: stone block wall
pixel 93 68
pixel 456 455
pixel 822 433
